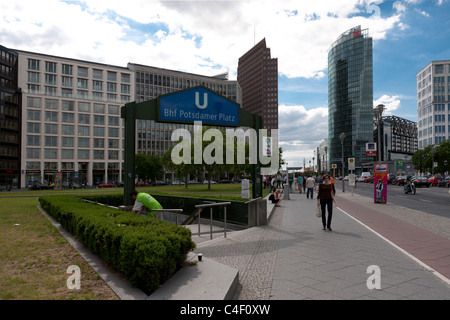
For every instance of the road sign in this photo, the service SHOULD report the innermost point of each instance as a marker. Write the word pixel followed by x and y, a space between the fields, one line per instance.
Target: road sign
pixel 351 163
pixel 334 166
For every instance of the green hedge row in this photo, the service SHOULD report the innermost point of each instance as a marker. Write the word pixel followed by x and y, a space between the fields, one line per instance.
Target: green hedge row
pixel 145 250
pixel 237 211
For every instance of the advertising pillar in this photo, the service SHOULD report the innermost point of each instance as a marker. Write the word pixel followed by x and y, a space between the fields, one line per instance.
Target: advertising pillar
pixel 380 183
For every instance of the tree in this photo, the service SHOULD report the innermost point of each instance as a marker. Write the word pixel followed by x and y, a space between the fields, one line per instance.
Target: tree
pixel 148 166
pixel 423 159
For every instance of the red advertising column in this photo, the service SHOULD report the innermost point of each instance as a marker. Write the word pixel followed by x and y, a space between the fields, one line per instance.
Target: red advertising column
pixel 380 183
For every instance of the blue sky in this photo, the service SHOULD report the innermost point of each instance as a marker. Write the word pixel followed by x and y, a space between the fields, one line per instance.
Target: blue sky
pixel 208 38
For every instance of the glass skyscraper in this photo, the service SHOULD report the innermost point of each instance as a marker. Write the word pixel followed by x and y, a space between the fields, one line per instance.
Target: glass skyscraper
pixel 350 97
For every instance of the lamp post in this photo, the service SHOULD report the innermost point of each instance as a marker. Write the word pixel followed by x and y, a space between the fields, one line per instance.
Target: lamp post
pixel 342 137
pixel 378 112
pixel 326 159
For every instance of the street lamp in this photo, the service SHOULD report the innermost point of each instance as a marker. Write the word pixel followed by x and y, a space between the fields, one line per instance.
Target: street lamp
pixel 378 112
pixel 326 159
pixel 342 137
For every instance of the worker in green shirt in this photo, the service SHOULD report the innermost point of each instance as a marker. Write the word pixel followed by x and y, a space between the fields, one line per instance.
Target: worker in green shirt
pixel 145 202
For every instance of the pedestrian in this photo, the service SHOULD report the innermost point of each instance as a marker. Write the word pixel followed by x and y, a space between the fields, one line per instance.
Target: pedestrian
pixel 272 184
pixel 276 198
pixel 310 185
pixel 325 198
pixel 300 183
pixel 278 180
pixel 145 204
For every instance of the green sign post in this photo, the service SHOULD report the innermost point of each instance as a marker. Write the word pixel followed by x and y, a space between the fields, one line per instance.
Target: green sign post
pixel 187 106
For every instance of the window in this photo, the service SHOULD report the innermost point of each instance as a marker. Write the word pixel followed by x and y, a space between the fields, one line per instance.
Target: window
pixel 82 83
pixel 51 128
pixel 113 155
pixel 83 131
pixel 113 132
pixel 98 96
pixel 99 131
pixel 113 109
pixel 51 91
pixel 67 142
pixel 51 104
pixel 66 81
pixel 99 154
pixel 125 88
pixel 99 108
pixel 50 79
pixel 83 118
pixel 111 87
pixel 67 69
pixel 83 107
pixel 113 121
pixel 66 154
pixel 83 154
pixel 113 143
pixel 99 119
pixel 33 153
pixel 33 127
pixel 33 64
pixel 33 165
pixel 83 142
pixel 68 129
pixel 51 141
pixel 32 88
pixel 97 74
pixel 34 102
pixel 67 166
pixel 34 115
pixel 67 117
pixel 50 67
pixel 50 153
pixel 97 85
pixel 51 116
pixel 112 76
pixel 125 77
pixel 82 72
pixel 68 105
pixel 33 140
pixel 66 92
pixel 99 143
pixel 33 77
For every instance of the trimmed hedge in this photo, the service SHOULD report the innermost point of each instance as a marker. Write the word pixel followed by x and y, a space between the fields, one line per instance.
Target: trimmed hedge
pixel 145 250
pixel 237 211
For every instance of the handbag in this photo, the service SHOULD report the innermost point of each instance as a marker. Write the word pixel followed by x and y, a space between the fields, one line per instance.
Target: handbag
pixel 318 212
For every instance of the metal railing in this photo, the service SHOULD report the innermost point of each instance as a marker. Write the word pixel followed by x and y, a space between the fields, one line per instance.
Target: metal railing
pixel 177 211
pixel 257 209
pixel 211 205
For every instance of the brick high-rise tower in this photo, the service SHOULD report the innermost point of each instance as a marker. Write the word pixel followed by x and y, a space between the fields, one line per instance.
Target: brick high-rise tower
pixel 258 79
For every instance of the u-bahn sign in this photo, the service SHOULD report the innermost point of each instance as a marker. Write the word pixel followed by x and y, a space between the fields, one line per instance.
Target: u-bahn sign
pixel 198 104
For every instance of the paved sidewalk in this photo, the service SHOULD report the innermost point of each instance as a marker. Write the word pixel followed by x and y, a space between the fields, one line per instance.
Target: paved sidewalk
pixel 293 258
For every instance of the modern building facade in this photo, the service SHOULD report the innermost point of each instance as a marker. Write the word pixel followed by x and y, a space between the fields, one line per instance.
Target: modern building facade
pixel 350 97
pixel 10 120
pixel 258 79
pixel 154 137
pixel 433 103
pixel 71 119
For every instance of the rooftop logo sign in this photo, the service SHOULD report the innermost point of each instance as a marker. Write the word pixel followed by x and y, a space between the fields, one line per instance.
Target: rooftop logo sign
pixel 198 104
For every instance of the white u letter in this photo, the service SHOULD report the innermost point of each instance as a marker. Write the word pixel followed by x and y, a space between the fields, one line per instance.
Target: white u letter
pixel 197 100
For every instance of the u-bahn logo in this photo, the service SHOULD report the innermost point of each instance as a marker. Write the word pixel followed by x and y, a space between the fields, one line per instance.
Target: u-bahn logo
pixel 205 100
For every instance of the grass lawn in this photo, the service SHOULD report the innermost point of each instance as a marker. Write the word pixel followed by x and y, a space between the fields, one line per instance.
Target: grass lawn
pixel 34 256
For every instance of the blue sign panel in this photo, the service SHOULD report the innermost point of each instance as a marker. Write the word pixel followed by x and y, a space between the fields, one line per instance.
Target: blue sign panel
pixel 198 104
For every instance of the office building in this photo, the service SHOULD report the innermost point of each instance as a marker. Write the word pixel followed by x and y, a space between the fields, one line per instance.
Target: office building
pixel 10 121
pixel 350 97
pixel 258 79
pixel 71 119
pixel 151 82
pixel 433 103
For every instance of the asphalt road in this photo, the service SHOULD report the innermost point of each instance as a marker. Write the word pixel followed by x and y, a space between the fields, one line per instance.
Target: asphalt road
pixel 432 200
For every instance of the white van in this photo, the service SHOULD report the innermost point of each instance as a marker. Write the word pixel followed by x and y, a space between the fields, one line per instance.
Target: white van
pixel 363 176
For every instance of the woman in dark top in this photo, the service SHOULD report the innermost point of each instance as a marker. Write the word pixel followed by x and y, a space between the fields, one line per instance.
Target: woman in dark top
pixel 325 199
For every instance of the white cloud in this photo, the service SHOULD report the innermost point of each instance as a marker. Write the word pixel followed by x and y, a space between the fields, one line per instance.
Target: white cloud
pixel 392 103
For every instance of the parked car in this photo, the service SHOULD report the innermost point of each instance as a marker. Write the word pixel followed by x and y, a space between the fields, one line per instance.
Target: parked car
pixel 444 183
pixel 399 181
pixel 106 185
pixel 141 184
pixel 434 180
pixel 368 179
pixel 391 178
pixel 421 182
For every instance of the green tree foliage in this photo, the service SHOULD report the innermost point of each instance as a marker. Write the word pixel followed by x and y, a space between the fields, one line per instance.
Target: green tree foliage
pixel 148 166
pixel 423 158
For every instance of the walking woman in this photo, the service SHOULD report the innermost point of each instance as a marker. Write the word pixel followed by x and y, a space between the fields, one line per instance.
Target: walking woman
pixel 325 199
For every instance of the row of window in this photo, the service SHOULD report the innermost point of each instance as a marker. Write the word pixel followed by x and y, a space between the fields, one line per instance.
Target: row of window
pixel 97 85
pixel 69 105
pixel 52 141
pixel 66 69
pixel 34 165
pixel 82 154
pixel 33 127
pixel 67 117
